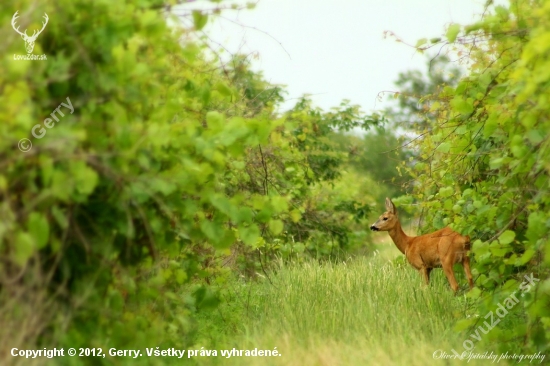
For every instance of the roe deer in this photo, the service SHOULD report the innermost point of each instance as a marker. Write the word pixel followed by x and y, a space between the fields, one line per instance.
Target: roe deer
pixel 442 248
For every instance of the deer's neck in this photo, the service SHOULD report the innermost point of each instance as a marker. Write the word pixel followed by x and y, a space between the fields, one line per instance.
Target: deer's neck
pixel 400 239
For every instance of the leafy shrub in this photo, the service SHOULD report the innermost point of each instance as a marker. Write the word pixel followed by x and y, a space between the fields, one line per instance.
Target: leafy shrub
pixel 483 166
pixel 115 222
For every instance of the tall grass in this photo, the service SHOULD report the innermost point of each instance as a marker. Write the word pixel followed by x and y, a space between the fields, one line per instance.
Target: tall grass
pixel 365 311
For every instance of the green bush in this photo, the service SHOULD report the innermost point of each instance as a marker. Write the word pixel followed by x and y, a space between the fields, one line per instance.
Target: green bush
pixel 169 171
pixel 483 167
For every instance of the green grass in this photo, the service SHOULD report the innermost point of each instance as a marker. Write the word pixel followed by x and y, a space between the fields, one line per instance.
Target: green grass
pixel 347 313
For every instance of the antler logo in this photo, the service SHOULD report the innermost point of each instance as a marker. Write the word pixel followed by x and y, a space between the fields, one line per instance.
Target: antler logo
pixel 29 40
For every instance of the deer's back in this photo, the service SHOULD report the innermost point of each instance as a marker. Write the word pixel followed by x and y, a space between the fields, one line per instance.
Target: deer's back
pixel 430 249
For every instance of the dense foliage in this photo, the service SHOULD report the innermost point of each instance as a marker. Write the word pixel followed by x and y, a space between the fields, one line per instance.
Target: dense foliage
pixel 172 170
pixel 482 165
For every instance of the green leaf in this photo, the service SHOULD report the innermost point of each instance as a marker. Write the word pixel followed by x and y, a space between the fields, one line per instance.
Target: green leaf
pixel 180 276
pixel 444 147
pixel 249 235
pixel 60 217
pixel 24 248
pixel 474 293
pixel 480 248
pixel 474 27
pixel 536 227
pixel 199 19
pixel 461 130
pixel 507 237
pixel 496 163
pixel 39 229
pixel 222 203
pixel 526 257
pixel 499 252
pixel 490 125
pixel 226 240
pixel 299 247
pixel 85 178
pixel 62 185
pixel 208 299
pixel 462 106
pixel 452 32
pixel 421 42
pixel 276 226
pixel 205 95
pixel 215 119
pixel 223 89
pixel 243 215
pixel 212 230
pixel 279 204
pixel 535 136
pixel 295 215
pixel 446 192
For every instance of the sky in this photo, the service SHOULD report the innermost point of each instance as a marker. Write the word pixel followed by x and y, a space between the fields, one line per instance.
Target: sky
pixel 335 49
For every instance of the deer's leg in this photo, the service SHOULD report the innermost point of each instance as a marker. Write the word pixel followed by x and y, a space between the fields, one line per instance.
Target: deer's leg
pixel 448 269
pixel 466 264
pixel 425 275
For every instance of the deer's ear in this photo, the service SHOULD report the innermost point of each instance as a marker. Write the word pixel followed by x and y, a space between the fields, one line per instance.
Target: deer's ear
pixel 390 207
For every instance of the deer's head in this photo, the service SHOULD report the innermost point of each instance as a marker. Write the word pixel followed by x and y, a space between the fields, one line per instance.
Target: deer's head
pixel 388 219
pixel 29 40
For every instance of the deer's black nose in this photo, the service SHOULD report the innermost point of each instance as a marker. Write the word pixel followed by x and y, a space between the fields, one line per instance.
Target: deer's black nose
pixel 373 228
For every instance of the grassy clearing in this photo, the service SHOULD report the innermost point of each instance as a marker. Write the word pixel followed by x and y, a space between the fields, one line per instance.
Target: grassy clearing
pixel 340 314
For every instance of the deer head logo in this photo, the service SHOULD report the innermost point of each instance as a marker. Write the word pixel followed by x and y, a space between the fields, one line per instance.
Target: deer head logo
pixel 29 40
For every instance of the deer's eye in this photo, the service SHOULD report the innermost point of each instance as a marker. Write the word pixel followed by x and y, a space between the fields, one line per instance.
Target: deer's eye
pixel 385 218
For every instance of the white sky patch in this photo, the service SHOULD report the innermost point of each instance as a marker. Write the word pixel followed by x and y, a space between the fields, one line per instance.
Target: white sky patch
pixel 335 49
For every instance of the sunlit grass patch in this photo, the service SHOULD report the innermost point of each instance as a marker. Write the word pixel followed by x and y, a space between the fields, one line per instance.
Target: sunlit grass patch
pixel 345 313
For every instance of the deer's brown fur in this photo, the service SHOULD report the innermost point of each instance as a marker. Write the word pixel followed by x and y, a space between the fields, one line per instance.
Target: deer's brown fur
pixel 442 248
